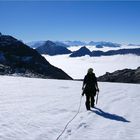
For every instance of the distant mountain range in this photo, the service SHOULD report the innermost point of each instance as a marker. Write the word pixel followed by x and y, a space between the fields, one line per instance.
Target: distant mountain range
pixel 85 51
pixel 57 48
pixel 135 51
pixel 123 76
pixel 37 44
pixel 92 43
pixel 52 48
pixel 74 43
pixel 18 58
pixel 103 43
pixel 133 44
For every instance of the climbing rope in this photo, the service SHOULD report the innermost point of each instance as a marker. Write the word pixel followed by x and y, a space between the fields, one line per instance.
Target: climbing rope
pixel 70 120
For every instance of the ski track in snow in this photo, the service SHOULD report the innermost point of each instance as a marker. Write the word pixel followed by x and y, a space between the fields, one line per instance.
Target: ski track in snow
pixel 38 109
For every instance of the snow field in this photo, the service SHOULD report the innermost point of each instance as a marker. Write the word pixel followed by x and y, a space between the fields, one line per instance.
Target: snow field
pixel 38 109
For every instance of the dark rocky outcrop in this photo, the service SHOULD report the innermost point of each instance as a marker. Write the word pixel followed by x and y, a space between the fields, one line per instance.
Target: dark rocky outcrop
pixel 97 53
pixel 84 51
pixel 123 76
pixel 135 51
pixel 99 46
pixel 133 44
pixel 81 52
pixel 18 58
pixel 51 48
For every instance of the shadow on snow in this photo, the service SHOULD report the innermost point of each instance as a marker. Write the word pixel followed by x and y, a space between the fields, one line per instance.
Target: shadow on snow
pixel 109 116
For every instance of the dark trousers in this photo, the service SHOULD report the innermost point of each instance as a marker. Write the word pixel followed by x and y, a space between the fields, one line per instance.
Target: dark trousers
pixel 89 101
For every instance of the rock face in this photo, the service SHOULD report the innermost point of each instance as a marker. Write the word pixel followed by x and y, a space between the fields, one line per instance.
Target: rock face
pixel 51 48
pixel 81 52
pixel 18 58
pixel 84 51
pixel 99 46
pixel 135 51
pixel 123 76
pixel 97 53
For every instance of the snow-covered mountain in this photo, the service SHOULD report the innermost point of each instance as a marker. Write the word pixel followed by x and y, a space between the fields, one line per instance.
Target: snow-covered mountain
pixel 38 109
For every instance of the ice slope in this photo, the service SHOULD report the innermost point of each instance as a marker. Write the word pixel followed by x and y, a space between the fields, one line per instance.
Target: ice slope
pixel 38 109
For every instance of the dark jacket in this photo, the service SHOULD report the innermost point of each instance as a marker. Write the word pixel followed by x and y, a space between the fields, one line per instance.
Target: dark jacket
pixel 90 82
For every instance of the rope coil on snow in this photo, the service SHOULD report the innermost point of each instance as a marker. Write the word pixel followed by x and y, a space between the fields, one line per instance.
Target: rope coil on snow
pixel 70 120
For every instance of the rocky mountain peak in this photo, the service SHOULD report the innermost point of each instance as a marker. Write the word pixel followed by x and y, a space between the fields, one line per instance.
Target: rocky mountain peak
pixel 18 58
pixel 7 40
pixel 49 43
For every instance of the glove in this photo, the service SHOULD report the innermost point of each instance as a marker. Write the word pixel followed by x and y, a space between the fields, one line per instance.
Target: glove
pixel 83 91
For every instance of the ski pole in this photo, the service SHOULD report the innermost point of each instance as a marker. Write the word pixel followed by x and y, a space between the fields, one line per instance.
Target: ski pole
pixel 97 97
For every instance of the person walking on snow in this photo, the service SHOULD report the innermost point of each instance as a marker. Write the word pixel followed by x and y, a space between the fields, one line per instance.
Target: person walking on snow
pixel 90 87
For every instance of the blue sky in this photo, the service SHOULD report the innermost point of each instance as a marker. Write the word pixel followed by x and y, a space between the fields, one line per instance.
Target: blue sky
pixel 71 20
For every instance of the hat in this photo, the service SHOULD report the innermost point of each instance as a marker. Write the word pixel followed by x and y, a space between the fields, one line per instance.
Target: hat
pixel 90 70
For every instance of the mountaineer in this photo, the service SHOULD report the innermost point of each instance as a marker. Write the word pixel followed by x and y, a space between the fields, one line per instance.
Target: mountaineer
pixel 90 87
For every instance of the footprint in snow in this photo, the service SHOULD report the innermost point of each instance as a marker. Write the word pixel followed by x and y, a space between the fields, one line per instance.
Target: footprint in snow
pixel 82 125
pixel 64 87
pixel 69 132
